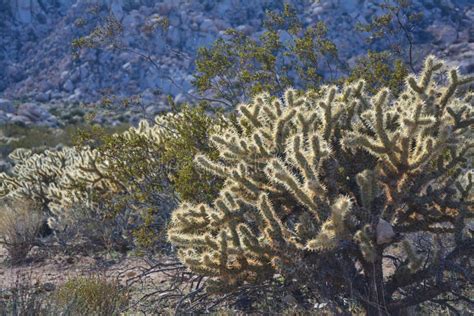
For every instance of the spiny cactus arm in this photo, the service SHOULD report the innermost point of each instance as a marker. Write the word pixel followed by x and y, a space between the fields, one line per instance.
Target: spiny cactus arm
pixel 280 132
pixel 275 230
pixel 368 186
pixel 20 155
pixel 263 151
pixel 439 209
pixel 379 103
pixel 241 177
pixel 251 112
pixel 366 244
pixel 359 94
pixel 277 172
pixel 306 119
pixel 358 140
pixel 454 83
pixel 251 243
pixel 291 98
pixel 301 160
pixel 215 168
pixel 8 184
pixel 230 146
pixel 332 111
pixel 462 116
pixel 431 148
pixel 189 219
pixel 431 65
pixel 335 228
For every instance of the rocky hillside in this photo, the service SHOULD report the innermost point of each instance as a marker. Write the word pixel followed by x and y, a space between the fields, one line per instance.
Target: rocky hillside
pixel 36 61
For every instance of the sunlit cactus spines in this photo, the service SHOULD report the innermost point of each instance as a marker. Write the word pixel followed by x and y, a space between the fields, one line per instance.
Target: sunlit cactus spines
pixel 59 179
pixel 322 187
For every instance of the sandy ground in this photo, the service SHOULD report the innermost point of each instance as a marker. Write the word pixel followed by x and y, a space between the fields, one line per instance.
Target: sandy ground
pixel 59 269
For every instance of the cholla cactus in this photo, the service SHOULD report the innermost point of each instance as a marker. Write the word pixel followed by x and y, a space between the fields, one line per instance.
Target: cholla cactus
pixel 125 173
pixel 34 174
pixel 319 187
pixel 57 179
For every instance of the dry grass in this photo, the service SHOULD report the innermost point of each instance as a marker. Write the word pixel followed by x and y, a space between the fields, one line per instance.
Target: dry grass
pixel 20 222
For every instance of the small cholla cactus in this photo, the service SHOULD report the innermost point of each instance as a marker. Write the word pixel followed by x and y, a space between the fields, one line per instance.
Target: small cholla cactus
pixel 55 179
pixel 128 178
pixel 34 174
pixel 58 179
pixel 321 188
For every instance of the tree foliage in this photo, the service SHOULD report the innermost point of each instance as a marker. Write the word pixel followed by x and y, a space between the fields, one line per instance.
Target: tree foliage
pixel 287 53
pixel 379 70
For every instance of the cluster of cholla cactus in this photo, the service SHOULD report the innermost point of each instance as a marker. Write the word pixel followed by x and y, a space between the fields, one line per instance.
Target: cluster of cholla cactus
pixel 55 179
pixel 322 187
pixel 59 179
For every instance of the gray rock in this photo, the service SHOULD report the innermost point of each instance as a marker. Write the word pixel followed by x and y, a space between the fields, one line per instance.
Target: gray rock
pixel 152 110
pixel 43 96
pixel 20 119
pixel 4 166
pixel 207 25
pixel 28 113
pixel 68 86
pixel 384 232
pixel 3 118
pixel 23 10
pixel 443 33
pixel 32 111
pixel 117 9
pixel 64 75
pixel 6 106
pixel 49 287
pixel 179 98
pixel 174 19
pixel 147 97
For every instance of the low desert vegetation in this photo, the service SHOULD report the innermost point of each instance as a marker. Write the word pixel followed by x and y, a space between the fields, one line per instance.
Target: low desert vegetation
pixel 90 296
pixel 20 226
pixel 344 195
pixel 354 201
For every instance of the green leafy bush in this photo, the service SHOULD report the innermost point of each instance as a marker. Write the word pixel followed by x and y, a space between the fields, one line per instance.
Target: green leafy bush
pixel 326 189
pixel 152 166
pixel 380 70
pixel 288 53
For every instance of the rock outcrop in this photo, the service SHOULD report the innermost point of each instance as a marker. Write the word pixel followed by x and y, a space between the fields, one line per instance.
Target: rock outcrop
pixel 36 61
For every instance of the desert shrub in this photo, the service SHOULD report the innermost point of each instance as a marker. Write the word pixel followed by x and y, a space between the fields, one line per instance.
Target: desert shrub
pixel 346 197
pixel 127 181
pixel 90 296
pixel 394 29
pixel 91 229
pixel 193 127
pixel 24 298
pixel 20 224
pixel 287 53
pixel 380 70
pixel 152 167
